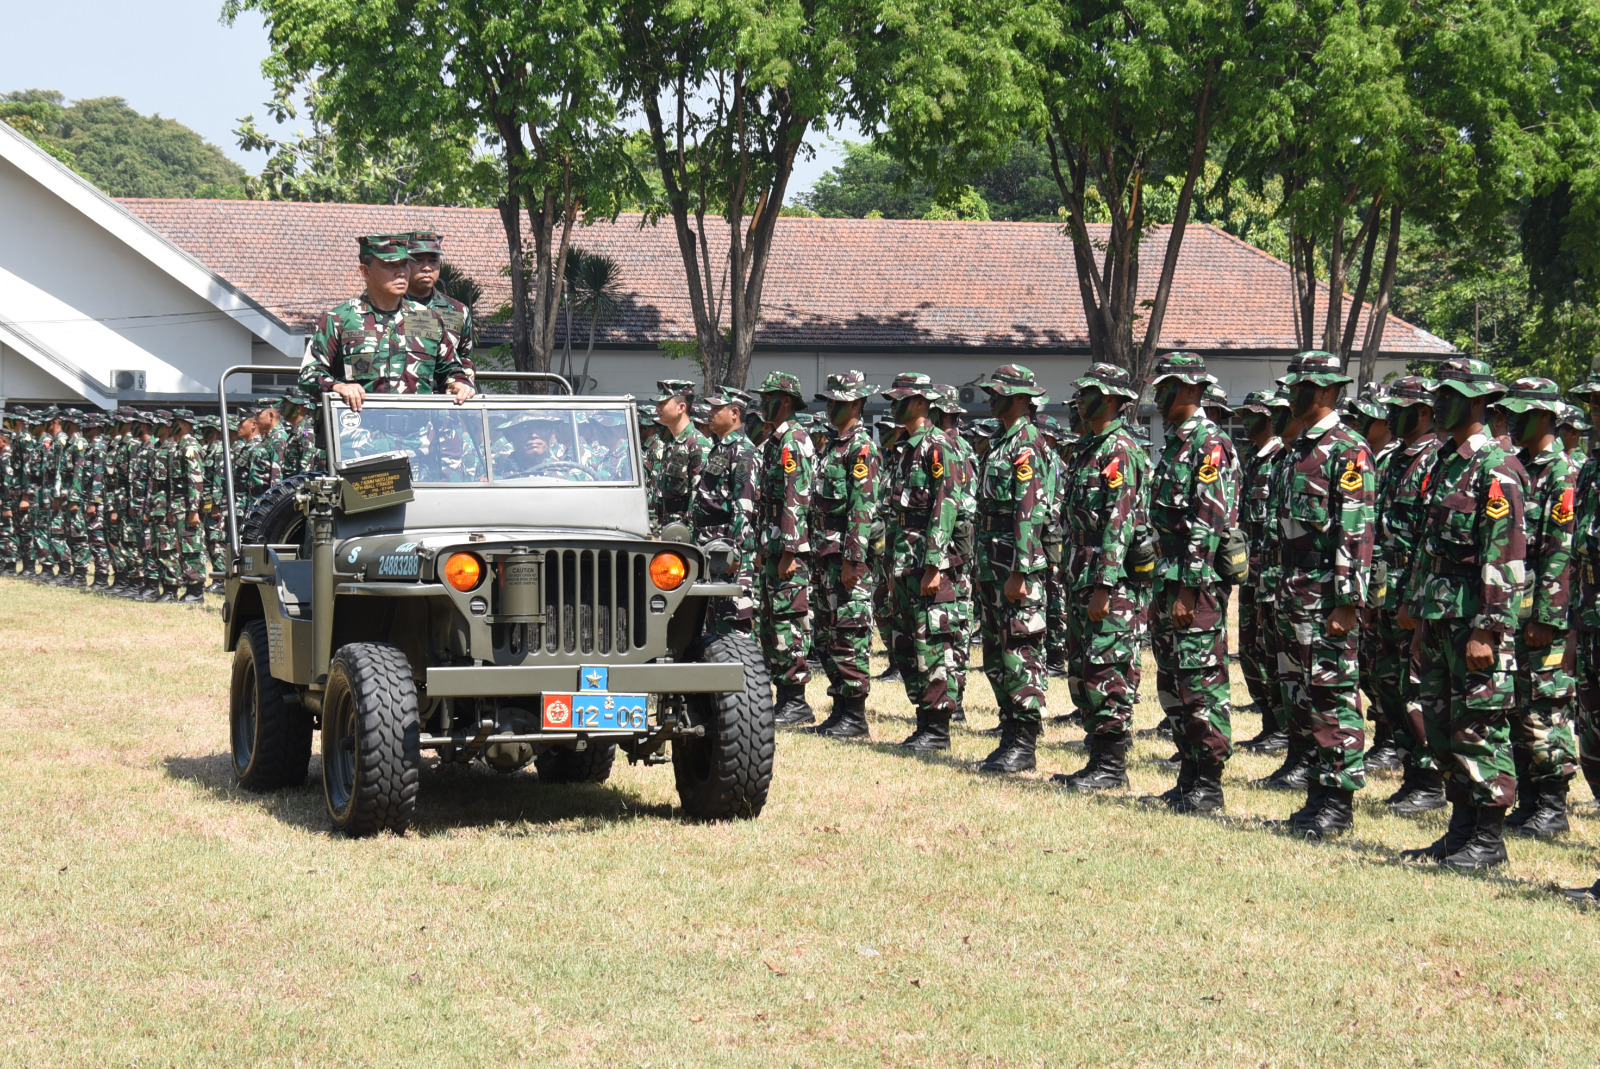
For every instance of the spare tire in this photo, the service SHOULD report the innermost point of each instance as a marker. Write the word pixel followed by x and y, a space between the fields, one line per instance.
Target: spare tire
pixel 275 518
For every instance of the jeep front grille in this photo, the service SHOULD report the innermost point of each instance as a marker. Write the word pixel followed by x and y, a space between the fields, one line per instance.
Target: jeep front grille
pixel 594 602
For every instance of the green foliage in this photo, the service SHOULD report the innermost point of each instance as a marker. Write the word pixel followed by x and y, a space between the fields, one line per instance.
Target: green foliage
pixel 124 153
pixel 1019 188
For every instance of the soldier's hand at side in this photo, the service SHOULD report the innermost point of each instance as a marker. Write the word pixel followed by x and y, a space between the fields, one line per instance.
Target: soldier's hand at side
pixel 112 517
pixel 930 582
pixel 194 519
pixel 1016 586
pixel 1540 634
pixel 1480 655
pixel 1183 607
pixel 462 391
pixel 850 574
pixel 90 510
pixel 1342 621
pixel 1404 619
pixel 352 393
pixel 787 565
pixel 1100 604
pixel 1416 642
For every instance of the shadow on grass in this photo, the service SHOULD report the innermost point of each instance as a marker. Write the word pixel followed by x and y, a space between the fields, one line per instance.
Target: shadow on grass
pixel 448 798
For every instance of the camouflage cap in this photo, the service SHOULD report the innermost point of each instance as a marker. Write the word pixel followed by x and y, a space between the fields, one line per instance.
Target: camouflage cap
pixel 1185 367
pixel 1572 416
pixel 1262 402
pixel 1410 390
pixel 183 414
pixel 700 412
pixel 163 415
pixel 1011 380
pixel 389 247
pixel 1108 379
pixel 1533 394
pixel 267 402
pixel 730 395
pixel 1589 386
pixel 948 401
pixel 70 415
pixel 1215 397
pixel 847 386
pixel 753 416
pixel 1318 366
pixel 911 384
pixel 47 413
pixel 1048 424
pixel 295 397
pixel 419 242
pixel 887 422
pixel 1373 402
pixel 1473 378
pixel 671 389
pixel 783 382
pixel 646 417
pixel 233 423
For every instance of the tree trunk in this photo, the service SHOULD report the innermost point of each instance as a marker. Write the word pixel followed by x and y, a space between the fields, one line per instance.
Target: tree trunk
pixel 1331 324
pixel 1360 295
pixel 1380 308
pixel 511 219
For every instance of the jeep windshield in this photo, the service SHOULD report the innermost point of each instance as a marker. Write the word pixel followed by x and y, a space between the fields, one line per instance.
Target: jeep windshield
pixel 507 444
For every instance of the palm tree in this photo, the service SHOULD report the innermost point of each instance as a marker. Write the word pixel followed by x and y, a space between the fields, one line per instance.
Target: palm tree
pixel 593 279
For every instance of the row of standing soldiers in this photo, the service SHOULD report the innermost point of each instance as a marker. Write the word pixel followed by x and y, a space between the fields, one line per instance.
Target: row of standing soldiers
pixel 132 502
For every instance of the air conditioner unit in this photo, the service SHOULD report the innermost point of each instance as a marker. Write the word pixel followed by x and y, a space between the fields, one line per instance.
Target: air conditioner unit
pixel 127 381
pixel 969 395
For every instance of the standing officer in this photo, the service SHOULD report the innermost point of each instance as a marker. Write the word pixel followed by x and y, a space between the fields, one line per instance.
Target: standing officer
pixel 1586 610
pixel 1013 508
pixel 891 436
pixel 945 413
pixel 1542 747
pixel 1325 556
pixel 188 493
pixel 1106 475
pixel 301 456
pixel 1255 487
pixel 683 455
pixel 101 478
pixel 426 248
pixel 1462 605
pixel 161 540
pixel 725 507
pixel 844 507
pixel 788 468
pixel 1193 498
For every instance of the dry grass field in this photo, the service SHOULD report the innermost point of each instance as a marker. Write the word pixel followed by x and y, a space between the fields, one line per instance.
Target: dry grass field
pixel 885 910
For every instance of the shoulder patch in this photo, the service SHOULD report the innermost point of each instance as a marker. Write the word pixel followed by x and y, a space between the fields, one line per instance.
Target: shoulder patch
pixel 938 465
pixel 1496 506
pixel 788 461
pixel 1113 473
pixel 1562 513
pixel 1350 481
pixel 1208 472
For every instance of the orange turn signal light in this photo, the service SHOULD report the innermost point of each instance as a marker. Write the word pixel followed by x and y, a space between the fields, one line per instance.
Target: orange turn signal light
pixel 668 571
pixel 463 571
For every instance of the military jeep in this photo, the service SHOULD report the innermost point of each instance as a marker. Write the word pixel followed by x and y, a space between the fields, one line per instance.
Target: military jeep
pixel 480 580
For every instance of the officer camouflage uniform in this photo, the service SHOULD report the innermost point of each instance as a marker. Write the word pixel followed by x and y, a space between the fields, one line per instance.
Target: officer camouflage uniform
pixel 1013 511
pixel 844 509
pixel 1585 611
pixel 98 458
pixel 891 437
pixel 161 537
pixel 787 473
pixel 945 410
pixel 188 482
pixel 1257 657
pixel 1468 581
pixel 456 317
pixel 1543 749
pixel 8 497
pixel 1193 504
pixel 683 457
pixel 1057 583
pixel 725 508
pixel 1106 474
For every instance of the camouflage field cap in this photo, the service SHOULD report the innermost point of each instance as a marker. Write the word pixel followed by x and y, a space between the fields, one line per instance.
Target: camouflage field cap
pixel 419 242
pixel 847 386
pixel 1262 402
pixel 1318 366
pixel 183 414
pixel 163 415
pixel 1185 367
pixel 233 423
pixel 1533 394
pixel 948 401
pixel 1588 387
pixel 1215 397
pixel 783 382
pixel 1373 403
pixel 646 417
pixel 730 395
pixel 1472 378
pixel 537 416
pixel 70 415
pixel 1108 379
pixel 263 403
pixel 700 412
pixel 295 397
pixel 1011 380
pixel 670 389
pixel 1048 424
pixel 1410 390
pixel 912 384
pixel 392 248
pixel 753 417
pixel 1572 416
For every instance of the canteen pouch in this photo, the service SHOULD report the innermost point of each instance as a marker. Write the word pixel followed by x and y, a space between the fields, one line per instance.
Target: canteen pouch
pixel 1140 561
pixel 1378 585
pixel 1055 541
pixel 1233 558
pixel 966 539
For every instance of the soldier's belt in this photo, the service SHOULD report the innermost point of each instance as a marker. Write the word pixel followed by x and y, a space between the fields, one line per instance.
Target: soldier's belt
pixel 911 519
pixel 1445 566
pixel 1304 558
pixel 834 522
pixel 997 522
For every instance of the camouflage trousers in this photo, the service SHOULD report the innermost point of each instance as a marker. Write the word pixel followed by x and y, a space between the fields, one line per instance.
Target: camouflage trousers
pixel 843 635
pixel 1588 733
pixel 217 543
pixel 1400 704
pixel 1192 671
pixel 1254 659
pixel 965 626
pixel 883 613
pixel 1320 674
pixel 99 546
pixel 1013 647
pixel 49 540
pixel 1103 660
pixel 783 629
pixel 161 555
pixel 1467 713
pixel 1058 607
pixel 191 547
pixel 75 527
pixel 9 551
pixel 136 549
pixel 925 626
pixel 1543 748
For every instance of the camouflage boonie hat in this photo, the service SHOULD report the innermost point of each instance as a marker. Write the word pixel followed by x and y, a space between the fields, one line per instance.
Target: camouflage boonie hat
pixel 1048 424
pixel 163 415
pixel 753 416
pixel 699 412
pixel 538 416
pixel 183 414
pixel 1589 386
pixel 1318 366
pixel 730 395
pixel 1011 380
pixel 1410 390
pixel 70 415
pixel 391 248
pixel 948 401
pixel 1472 378
pixel 1533 394
pixel 783 382
pixel 1572 416
pixel 295 397
pixel 847 386
pixel 424 241
pixel 669 389
pixel 1185 367
pixel 1263 402
pixel 1108 379
pixel 1215 397
pixel 911 384
pixel 1373 403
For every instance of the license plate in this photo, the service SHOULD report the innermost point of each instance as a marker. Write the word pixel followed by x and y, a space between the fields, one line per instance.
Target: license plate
pixel 595 710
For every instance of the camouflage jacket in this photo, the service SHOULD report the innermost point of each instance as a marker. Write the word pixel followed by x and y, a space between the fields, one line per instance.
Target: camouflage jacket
pixel 844 500
pixel 81 485
pixel 300 453
pixel 1585 611
pixel 458 325
pixel 788 467
pixel 967 471
pixel 404 351
pixel 1106 476
pixel 1471 551
pixel 216 495
pixel 1013 504
pixel 159 499
pixel 1400 512
pixel 188 475
pixel 22 446
pixel 1193 500
pixel 1324 542
pixel 682 461
pixel 96 459
pixel 1549 508
pixel 725 500
pixel 140 453
pixel 262 468
pixel 654 450
pixel 920 506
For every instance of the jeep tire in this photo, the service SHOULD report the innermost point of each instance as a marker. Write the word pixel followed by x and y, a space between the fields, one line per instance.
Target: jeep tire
pixel 275 518
pixel 371 760
pixel 725 773
pixel 271 735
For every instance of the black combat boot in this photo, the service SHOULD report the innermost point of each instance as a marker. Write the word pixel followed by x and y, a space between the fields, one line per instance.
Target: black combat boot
pixel 1268 740
pixel 1206 794
pixel 958 715
pixel 847 721
pixel 793 709
pixel 1487 847
pixel 1171 764
pixel 1107 769
pixel 1421 791
pixel 1527 793
pixel 1549 816
pixel 1056 666
pixel 933 733
pixel 149 590
pixel 890 674
pixel 1289 776
pixel 1463 819
pixel 1583 897
pixel 1335 817
pixel 1017 755
pixel 168 595
pixel 1382 756
pixel 193 594
pixel 1188 772
pixel 1316 795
